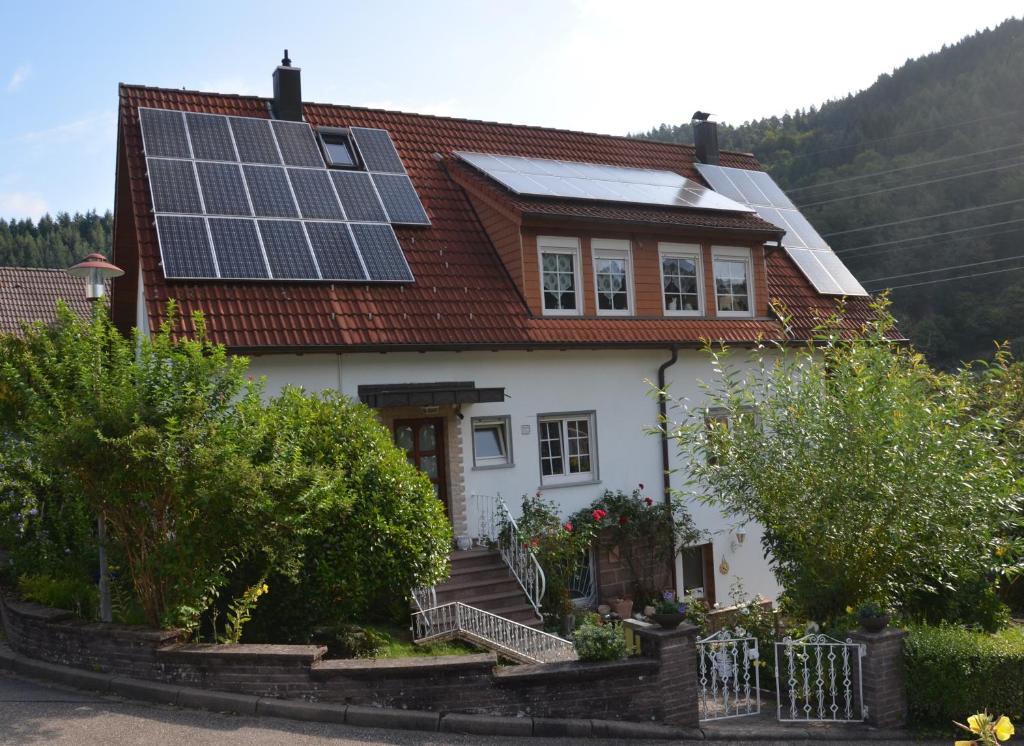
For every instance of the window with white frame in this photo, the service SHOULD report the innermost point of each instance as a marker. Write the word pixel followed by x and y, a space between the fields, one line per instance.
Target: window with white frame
pixel 491 445
pixel 613 276
pixel 733 281
pixel 567 448
pixel 559 275
pixel 682 279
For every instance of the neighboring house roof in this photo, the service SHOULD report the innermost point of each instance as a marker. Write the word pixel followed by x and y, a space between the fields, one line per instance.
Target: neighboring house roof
pixel 29 294
pixel 462 296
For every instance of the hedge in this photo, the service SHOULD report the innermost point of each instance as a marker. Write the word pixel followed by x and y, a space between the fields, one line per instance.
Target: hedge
pixel 952 672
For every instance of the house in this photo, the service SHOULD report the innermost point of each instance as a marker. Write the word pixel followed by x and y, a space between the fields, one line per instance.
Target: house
pixel 541 280
pixel 30 294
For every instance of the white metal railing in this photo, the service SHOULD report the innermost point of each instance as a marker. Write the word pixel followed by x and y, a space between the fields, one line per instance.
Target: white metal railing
pixel 728 675
pixel 819 678
pixel 494 525
pixel 510 639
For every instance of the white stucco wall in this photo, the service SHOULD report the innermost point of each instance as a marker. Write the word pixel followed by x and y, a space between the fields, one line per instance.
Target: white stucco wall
pixel 610 383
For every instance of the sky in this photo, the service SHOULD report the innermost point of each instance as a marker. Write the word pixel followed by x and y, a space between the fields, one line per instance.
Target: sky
pixel 610 67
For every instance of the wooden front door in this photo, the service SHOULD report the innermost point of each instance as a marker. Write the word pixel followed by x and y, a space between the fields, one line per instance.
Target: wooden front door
pixel 424 444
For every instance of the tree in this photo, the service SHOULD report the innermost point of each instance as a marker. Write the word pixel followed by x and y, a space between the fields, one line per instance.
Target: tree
pixel 874 476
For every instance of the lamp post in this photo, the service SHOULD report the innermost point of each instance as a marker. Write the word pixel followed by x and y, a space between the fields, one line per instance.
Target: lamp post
pixel 96 270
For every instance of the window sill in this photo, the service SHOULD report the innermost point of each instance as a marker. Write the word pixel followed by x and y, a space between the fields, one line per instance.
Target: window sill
pixel 560 485
pixel 489 467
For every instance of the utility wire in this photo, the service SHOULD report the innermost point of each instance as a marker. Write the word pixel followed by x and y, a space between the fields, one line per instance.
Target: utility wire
pixel 886 250
pixel 873 174
pixel 943 269
pixel 924 217
pixel 911 186
pixel 851 249
pixel 951 279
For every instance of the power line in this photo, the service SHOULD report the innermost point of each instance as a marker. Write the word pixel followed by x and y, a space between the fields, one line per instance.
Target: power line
pixel 928 235
pixel 873 174
pixel 924 217
pixel 951 279
pixel 943 269
pixel 944 243
pixel 911 186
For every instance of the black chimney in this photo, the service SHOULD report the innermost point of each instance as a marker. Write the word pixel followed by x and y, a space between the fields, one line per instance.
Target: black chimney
pixel 288 91
pixel 705 140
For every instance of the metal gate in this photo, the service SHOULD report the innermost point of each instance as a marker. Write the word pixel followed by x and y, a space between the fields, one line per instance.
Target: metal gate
pixel 818 678
pixel 728 676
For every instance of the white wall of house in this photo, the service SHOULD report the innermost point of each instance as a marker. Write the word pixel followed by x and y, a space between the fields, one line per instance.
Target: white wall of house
pixel 611 383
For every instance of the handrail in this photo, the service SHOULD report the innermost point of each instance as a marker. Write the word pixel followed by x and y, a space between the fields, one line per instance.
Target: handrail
pixel 511 639
pixel 493 516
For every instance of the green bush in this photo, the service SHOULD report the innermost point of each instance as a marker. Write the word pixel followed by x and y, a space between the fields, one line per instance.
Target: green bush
pixel 600 642
pixel 952 672
pixel 71 594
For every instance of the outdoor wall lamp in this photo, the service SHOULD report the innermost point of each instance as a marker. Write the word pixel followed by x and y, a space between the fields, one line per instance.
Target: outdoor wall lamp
pixel 95 270
pixel 741 535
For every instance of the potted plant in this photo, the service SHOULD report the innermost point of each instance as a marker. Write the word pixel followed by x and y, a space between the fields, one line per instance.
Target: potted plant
pixel 668 611
pixel 873 617
pixel 622 606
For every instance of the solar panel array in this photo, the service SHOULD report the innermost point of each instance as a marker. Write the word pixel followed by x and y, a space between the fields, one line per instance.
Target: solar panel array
pixel 247 198
pixel 542 177
pixel 804 245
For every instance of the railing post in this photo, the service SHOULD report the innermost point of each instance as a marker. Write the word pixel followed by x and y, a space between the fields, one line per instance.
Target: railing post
pixel 882 683
pixel 676 650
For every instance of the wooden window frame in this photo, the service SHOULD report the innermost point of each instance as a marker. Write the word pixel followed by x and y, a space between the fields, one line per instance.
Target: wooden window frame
pixel 682 251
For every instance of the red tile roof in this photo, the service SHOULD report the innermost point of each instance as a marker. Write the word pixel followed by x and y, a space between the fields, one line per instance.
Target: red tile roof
pixel 462 296
pixel 28 294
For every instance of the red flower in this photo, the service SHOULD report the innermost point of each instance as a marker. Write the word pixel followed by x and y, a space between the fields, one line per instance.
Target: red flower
pixel 535 542
pixel 649 501
pixel 568 526
pixel 599 514
pixel 623 520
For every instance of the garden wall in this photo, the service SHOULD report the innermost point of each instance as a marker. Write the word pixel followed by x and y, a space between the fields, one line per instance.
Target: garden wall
pixel 660 685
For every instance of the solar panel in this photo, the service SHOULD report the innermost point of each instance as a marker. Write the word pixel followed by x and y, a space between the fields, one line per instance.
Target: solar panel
pixel 805 246
pixel 163 133
pixel 298 146
pixel 173 185
pixel 210 137
pixel 381 252
pixel 542 177
pixel 335 251
pixel 400 199
pixel 315 195
pixel 185 247
pixel 287 250
pixel 254 140
pixel 270 193
pixel 358 196
pixel 237 247
pixel 378 151
pixel 223 188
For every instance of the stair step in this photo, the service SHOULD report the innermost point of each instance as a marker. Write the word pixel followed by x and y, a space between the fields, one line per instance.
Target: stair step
pixel 481 599
pixel 475 557
pixel 473 584
pixel 472 573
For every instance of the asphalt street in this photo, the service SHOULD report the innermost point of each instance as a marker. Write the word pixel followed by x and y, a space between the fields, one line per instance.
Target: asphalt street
pixel 37 713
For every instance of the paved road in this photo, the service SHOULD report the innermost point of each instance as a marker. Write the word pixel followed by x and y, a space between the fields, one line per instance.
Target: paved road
pixel 35 713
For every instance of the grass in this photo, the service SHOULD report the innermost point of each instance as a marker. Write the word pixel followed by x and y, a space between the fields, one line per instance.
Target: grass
pixel 400 645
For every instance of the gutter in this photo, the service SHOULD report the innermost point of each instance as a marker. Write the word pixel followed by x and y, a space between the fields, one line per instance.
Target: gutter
pixel 663 419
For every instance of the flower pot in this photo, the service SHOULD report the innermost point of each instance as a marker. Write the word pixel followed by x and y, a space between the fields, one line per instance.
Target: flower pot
pixel 668 621
pixel 874 623
pixel 463 543
pixel 623 607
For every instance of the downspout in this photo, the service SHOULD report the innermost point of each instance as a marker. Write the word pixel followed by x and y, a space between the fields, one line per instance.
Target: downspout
pixel 663 421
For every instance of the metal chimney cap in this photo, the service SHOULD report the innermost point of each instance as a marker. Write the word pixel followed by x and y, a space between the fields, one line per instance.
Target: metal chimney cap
pixel 285 61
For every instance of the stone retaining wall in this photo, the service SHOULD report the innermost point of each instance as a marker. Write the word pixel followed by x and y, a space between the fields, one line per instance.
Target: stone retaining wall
pixel 660 685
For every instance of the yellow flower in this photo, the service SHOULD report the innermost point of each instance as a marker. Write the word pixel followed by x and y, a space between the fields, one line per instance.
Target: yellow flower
pixel 1000 551
pixel 849 609
pixel 976 722
pixel 1004 728
pixel 964 743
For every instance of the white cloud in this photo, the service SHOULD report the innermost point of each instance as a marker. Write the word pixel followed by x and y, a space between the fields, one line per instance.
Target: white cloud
pixel 90 127
pixel 18 77
pixel 22 205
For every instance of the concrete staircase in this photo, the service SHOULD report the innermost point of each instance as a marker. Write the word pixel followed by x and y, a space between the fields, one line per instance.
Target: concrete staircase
pixel 480 578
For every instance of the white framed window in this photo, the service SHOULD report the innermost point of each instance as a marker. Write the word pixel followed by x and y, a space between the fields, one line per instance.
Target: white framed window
pixel 568 448
pixel 682 279
pixel 734 280
pixel 491 444
pixel 559 259
pixel 613 276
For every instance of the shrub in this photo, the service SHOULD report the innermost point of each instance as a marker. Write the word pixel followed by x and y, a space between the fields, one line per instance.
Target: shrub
pixel 71 594
pixel 600 642
pixel 952 671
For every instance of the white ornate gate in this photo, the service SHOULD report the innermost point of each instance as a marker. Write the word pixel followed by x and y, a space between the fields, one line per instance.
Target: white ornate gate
pixel 728 675
pixel 818 678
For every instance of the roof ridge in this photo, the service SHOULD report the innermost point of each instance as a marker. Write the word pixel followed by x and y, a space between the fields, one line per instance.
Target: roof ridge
pixel 31 269
pixel 469 120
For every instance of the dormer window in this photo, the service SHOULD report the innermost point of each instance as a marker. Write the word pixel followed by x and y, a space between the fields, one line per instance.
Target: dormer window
pixel 559 275
pixel 733 292
pixel 338 149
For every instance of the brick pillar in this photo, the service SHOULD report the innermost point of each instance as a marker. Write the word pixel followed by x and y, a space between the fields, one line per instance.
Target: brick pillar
pixel 676 651
pixel 885 693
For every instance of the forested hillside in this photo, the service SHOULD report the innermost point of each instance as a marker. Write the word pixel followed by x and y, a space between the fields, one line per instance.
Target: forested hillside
pixel 941 136
pixel 54 242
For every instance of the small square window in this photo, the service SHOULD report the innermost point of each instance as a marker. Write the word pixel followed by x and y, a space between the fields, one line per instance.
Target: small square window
pixel 338 148
pixel 567 452
pixel 682 279
pixel 491 446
